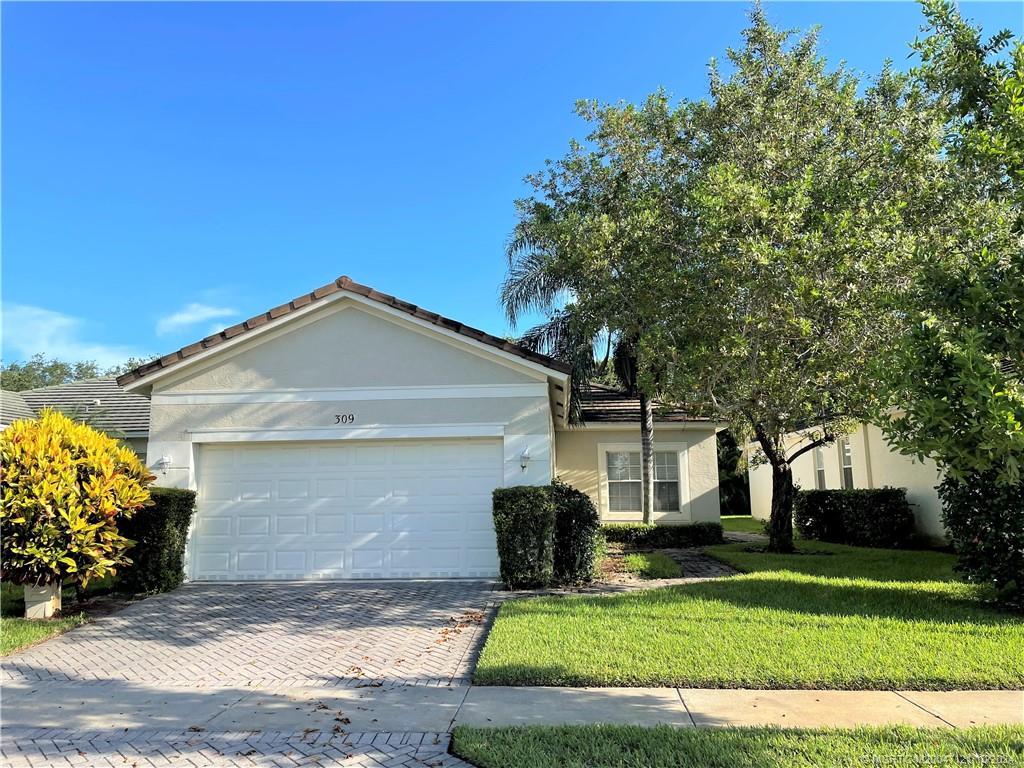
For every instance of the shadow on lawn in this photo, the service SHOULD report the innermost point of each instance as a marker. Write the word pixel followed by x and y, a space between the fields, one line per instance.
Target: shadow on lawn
pixel 821 598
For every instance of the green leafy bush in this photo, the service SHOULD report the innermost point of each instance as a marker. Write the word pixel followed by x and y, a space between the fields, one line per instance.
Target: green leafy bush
pixel 159 533
pixel 861 517
pixel 663 536
pixel 524 522
pixel 66 491
pixel 576 534
pixel 985 522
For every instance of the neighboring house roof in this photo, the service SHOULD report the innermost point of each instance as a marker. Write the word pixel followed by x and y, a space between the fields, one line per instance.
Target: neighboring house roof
pixel 607 404
pixel 100 402
pixel 341 284
pixel 13 407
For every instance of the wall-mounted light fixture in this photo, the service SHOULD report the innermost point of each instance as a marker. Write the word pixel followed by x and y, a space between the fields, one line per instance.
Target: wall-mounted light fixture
pixel 163 464
pixel 524 459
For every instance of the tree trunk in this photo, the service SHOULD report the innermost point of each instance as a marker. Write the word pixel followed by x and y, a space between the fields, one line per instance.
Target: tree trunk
pixel 780 525
pixel 647 455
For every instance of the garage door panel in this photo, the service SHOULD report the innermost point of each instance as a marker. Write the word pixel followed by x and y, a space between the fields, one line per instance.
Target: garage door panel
pixel 328 523
pixel 254 525
pixel 329 559
pixel 387 509
pixel 253 562
pixel 333 455
pixel 371 455
pixel 214 562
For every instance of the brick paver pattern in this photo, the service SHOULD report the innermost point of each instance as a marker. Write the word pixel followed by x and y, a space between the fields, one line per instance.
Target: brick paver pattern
pixel 271 635
pixel 159 749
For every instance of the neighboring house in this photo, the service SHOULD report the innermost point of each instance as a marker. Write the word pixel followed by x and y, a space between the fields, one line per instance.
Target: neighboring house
pixel 100 402
pixel 861 459
pixel 349 434
pixel 13 407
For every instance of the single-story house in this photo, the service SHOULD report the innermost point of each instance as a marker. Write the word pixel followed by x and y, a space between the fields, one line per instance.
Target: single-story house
pixel 861 459
pixel 100 402
pixel 349 434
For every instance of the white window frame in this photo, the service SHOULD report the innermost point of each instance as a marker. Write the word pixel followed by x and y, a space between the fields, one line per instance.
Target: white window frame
pixel 681 451
pixel 820 477
pixel 846 449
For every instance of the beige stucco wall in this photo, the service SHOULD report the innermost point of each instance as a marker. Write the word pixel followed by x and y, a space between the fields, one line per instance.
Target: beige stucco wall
pixel 875 465
pixel 519 415
pixel 394 377
pixel 577 463
pixel 919 478
pixel 345 345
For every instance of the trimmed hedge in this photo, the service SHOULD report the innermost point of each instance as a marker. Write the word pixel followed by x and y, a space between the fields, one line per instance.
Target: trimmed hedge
pixel 524 522
pixel 663 536
pixel 576 533
pixel 159 533
pixel 985 522
pixel 860 517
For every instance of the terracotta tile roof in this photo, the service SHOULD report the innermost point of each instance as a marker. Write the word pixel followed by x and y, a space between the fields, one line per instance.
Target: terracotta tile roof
pixel 341 284
pixel 99 401
pixel 607 404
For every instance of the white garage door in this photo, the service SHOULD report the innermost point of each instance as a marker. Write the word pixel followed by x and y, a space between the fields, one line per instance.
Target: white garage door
pixel 360 510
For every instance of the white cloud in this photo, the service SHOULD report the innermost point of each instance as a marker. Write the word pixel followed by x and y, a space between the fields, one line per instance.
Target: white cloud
pixel 28 330
pixel 190 315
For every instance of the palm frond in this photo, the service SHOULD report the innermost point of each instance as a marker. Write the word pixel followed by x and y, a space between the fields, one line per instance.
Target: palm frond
pixel 566 339
pixel 530 285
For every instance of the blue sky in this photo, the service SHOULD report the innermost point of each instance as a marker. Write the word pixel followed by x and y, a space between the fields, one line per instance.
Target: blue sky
pixel 169 169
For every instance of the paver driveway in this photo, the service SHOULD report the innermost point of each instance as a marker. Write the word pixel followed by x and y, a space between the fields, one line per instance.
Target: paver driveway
pixel 355 674
pixel 325 634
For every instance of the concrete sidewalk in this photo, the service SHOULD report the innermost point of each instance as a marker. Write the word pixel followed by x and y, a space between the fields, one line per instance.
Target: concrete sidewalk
pixel 91 707
pixel 496 706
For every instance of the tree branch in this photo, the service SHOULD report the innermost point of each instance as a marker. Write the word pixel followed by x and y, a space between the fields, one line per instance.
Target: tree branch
pixel 827 437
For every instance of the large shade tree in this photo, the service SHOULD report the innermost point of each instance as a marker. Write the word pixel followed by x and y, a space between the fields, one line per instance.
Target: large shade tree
pixel 798 239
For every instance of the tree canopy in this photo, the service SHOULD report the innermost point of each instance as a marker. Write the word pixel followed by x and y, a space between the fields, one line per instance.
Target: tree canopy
pixel 43 371
pixel 955 378
pixel 799 241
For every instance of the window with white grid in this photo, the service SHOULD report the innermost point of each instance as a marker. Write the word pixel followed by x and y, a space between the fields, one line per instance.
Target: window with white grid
pixel 625 493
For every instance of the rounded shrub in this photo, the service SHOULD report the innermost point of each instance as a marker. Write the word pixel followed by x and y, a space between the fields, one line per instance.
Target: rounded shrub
pixel 577 528
pixel 669 536
pixel 524 523
pixel 158 533
pixel 65 490
pixel 985 522
pixel 860 517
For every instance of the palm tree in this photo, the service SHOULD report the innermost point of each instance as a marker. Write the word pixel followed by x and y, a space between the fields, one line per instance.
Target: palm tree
pixel 533 285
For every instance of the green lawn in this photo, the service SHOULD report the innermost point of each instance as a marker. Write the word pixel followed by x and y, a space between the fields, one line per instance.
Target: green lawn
pixel 652 565
pixel 16 632
pixel 901 621
pixel 615 746
pixel 817 558
pixel 742 524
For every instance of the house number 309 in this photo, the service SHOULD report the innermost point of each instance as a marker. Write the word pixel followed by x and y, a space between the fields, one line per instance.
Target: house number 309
pixel 344 418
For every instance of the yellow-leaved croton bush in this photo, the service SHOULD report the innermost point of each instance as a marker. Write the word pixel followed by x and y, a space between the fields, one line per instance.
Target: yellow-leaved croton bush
pixel 64 488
